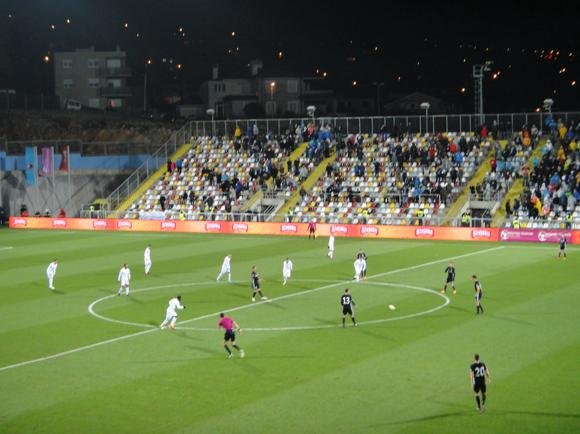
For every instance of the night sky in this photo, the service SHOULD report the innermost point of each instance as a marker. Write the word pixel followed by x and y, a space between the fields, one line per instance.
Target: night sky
pixel 408 45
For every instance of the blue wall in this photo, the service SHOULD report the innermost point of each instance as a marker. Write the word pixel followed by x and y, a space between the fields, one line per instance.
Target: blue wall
pixel 111 162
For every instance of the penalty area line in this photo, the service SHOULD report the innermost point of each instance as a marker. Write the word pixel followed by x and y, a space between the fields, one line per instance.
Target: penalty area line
pixel 143 332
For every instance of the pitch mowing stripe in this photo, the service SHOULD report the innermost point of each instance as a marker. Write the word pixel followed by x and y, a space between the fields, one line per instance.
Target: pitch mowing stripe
pixel 120 338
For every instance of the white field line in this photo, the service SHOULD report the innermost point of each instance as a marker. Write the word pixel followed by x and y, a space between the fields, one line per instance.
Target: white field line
pixel 6 248
pixel 143 332
pixel 329 326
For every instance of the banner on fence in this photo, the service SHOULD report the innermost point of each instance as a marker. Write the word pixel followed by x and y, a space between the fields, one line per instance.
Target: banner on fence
pixel 299 229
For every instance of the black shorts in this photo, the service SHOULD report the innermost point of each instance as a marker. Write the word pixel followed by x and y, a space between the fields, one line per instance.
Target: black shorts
pixel 312 230
pixel 479 297
pixel 450 280
pixel 256 286
pixel 479 386
pixel 347 310
pixel 230 335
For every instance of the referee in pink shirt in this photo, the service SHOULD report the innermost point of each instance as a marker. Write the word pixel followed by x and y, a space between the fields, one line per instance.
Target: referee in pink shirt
pixel 230 326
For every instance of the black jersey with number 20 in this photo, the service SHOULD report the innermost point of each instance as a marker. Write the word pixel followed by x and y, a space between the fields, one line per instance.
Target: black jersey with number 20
pixel 478 369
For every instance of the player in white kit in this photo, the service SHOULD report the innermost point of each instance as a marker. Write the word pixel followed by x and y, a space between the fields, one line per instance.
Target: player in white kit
pixel 287 270
pixel 358 269
pixel 124 279
pixel 147 259
pixel 50 273
pixel 331 247
pixel 226 269
pixel 171 313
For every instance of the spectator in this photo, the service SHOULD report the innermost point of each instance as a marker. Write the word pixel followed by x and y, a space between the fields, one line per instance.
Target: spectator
pixel 61 213
pixel 24 211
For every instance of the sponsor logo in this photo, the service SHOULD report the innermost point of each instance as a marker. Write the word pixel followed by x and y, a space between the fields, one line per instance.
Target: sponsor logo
pixel 369 230
pixel 58 223
pixel 506 234
pixel 338 229
pixel 480 233
pixel 240 227
pixel 213 227
pixel 168 225
pixel 124 224
pixel 288 228
pixel 19 222
pixel 544 236
pixel 99 224
pixel 424 232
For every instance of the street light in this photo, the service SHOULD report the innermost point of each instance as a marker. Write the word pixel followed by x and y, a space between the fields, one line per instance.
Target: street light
pixel 478 73
pixel 425 106
pixel 272 89
pixel 310 110
pixel 211 112
pixel 548 103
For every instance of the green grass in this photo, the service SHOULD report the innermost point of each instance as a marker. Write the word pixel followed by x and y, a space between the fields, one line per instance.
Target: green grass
pixel 302 373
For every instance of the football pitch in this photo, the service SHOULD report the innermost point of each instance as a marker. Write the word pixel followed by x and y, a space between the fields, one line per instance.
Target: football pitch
pixel 83 360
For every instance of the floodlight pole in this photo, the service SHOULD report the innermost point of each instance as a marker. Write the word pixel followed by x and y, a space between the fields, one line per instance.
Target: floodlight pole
pixel 478 73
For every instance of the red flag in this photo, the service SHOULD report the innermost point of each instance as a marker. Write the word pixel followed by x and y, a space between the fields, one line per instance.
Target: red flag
pixel 64 150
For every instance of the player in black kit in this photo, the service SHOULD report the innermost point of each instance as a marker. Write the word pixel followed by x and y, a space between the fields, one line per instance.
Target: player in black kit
pixel 478 294
pixel 347 304
pixel 255 276
pixel 450 270
pixel 478 372
pixel 563 243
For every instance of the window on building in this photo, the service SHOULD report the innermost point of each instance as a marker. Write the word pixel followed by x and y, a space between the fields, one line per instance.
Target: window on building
pixel 293 107
pixel 215 87
pixel 114 82
pixel 93 63
pixel 94 103
pixel 113 63
pixel 292 86
pixel 68 83
pixel 67 63
pixel 94 83
pixel 116 103
pixel 270 107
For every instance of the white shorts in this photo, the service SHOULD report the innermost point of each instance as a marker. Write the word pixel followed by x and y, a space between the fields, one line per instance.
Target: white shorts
pixel 286 274
pixel 124 282
pixel 225 270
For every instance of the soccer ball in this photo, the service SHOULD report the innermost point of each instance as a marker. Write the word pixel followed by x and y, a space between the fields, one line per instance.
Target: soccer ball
pixel 392 307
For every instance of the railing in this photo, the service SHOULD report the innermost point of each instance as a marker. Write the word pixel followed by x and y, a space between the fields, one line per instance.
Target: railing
pixel 505 123
pixel 495 196
pixel 257 216
pixel 154 162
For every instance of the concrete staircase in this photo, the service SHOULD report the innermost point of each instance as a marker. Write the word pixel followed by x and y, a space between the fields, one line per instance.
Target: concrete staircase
pixel 458 206
pixel 306 185
pixel 516 189
pixel 145 185
pixel 258 195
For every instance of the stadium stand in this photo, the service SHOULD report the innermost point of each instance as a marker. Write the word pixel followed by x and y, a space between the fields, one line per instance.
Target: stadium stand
pixel 551 198
pixel 392 181
pixel 218 175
